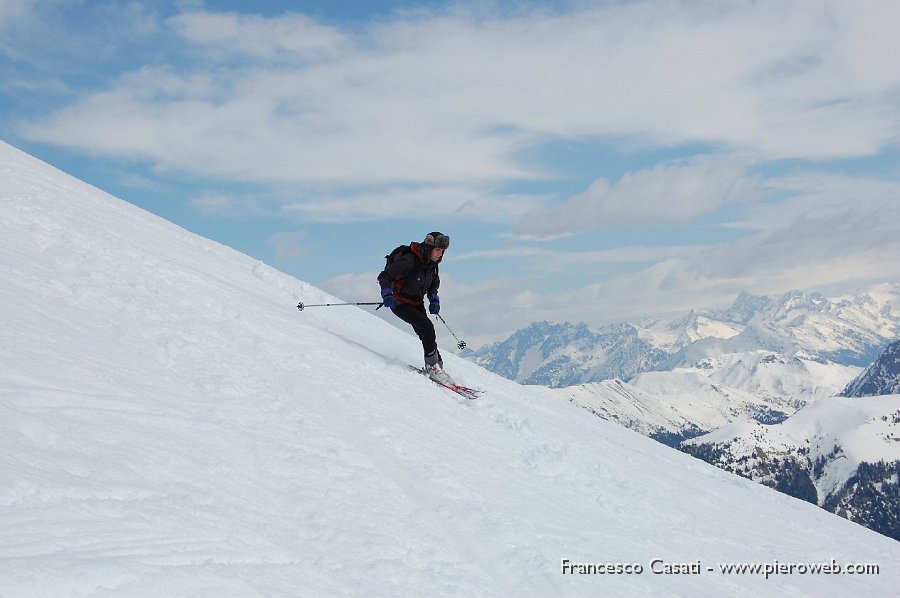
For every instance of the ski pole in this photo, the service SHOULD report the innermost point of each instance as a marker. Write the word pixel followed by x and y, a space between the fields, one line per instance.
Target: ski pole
pixel 301 306
pixel 459 343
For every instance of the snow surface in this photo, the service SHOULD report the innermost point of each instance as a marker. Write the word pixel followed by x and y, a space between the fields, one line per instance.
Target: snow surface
pixel 737 387
pixel 648 414
pixel 763 378
pixel 171 425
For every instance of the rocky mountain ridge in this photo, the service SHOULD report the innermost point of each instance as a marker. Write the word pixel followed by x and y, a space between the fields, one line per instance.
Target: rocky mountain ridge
pixel 880 378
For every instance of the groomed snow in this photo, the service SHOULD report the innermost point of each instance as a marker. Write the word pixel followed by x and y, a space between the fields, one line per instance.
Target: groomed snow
pixel 171 425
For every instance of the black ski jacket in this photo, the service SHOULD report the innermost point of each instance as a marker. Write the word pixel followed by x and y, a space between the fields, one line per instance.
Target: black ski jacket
pixel 412 275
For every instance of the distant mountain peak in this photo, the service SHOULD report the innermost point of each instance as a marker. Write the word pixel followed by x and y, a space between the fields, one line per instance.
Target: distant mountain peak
pixel 798 300
pixel 745 308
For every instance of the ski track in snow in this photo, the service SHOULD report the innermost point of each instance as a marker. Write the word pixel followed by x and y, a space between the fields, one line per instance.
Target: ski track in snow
pixel 171 425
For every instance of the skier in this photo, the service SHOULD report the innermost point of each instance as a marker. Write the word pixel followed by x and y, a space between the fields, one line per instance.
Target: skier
pixel 410 275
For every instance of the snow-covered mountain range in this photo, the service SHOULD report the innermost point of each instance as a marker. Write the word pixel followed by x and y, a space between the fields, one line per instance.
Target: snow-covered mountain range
pixel 671 406
pixel 170 425
pixel 847 330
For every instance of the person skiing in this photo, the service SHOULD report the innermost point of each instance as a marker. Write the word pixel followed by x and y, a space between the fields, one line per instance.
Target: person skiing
pixel 410 275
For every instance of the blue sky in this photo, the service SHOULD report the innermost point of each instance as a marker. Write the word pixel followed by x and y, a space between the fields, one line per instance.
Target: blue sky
pixel 591 161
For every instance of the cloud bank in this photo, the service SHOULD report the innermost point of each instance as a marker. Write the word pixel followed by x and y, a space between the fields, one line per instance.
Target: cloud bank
pixel 454 95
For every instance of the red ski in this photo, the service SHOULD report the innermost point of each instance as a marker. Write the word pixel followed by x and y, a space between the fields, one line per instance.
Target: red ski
pixel 463 391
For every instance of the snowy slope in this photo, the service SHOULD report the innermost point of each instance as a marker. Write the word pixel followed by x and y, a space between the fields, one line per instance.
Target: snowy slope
pixel 787 381
pixel 668 406
pixel 663 418
pixel 170 425
pixel 739 387
pixel 863 429
pixel 840 453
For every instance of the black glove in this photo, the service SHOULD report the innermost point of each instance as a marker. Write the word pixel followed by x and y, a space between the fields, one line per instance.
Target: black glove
pixel 434 305
pixel 387 296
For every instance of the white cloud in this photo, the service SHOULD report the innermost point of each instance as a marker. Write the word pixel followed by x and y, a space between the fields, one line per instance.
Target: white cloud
pixel 543 261
pixel 230 206
pixel 59 38
pixel 418 202
pixel 666 193
pixel 228 35
pixel 13 12
pixel 288 245
pixel 813 250
pixel 454 96
pixel 800 194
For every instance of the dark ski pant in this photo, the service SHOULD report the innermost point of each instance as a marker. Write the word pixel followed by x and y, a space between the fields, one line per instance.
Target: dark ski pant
pixel 417 317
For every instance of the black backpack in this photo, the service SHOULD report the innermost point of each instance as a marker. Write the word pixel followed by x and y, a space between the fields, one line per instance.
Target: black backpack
pixel 401 250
